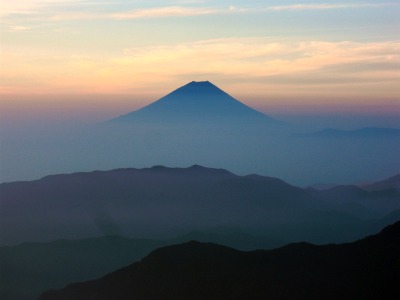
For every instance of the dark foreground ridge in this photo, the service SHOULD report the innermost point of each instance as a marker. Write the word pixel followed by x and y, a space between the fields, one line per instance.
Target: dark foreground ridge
pixel 366 269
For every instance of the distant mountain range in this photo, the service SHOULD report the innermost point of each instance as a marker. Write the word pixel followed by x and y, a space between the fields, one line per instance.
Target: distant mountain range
pixel 368 132
pixel 139 202
pixel 165 202
pixel 387 184
pixel 173 204
pixel 366 269
pixel 196 102
pixel 200 124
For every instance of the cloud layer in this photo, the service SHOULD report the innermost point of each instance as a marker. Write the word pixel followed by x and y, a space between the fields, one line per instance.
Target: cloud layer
pixel 61 10
pixel 258 66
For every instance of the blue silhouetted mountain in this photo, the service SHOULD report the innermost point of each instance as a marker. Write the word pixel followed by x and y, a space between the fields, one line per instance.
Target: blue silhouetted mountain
pixel 392 183
pixel 165 202
pixel 368 132
pixel 142 201
pixel 206 204
pixel 365 269
pixel 196 102
pixel 361 201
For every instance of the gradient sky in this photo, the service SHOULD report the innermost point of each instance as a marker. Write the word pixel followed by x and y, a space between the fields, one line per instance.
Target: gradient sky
pixel 109 57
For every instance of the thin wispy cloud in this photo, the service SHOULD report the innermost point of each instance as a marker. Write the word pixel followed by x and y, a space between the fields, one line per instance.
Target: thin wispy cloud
pixel 162 12
pixel 325 6
pixel 20 28
pixel 35 6
pixel 142 13
pixel 264 63
pixel 50 9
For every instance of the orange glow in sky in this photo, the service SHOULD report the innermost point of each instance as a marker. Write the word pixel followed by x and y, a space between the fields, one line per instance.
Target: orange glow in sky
pixel 120 56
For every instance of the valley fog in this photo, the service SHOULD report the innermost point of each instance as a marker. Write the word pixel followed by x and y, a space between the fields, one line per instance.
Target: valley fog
pixel 276 151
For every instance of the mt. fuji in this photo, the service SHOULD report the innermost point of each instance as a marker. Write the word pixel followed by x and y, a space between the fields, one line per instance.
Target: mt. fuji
pixel 197 101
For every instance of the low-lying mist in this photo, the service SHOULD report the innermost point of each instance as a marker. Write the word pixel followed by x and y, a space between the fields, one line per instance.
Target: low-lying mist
pixel 276 151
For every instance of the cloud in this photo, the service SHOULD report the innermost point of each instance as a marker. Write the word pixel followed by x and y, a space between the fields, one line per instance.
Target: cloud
pixel 34 6
pixel 158 12
pixel 19 28
pixel 171 11
pixel 162 12
pixel 32 13
pixel 261 65
pixel 325 6
pixel 53 10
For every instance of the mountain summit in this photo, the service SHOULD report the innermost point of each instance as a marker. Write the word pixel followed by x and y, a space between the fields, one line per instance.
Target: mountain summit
pixel 196 101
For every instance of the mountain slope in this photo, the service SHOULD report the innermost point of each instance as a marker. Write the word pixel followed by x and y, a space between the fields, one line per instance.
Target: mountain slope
pixel 28 269
pixel 387 184
pixel 196 102
pixel 359 201
pixel 139 202
pixel 164 202
pixel 366 269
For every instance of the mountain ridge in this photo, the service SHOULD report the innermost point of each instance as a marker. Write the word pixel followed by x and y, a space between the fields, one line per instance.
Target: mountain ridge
pixel 365 132
pixel 162 201
pixel 392 182
pixel 30 268
pixel 365 269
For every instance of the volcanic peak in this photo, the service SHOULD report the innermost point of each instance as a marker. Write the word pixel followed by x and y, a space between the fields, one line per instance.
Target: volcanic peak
pixel 197 101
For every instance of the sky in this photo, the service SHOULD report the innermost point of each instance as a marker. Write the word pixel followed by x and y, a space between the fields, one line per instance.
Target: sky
pixel 93 60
